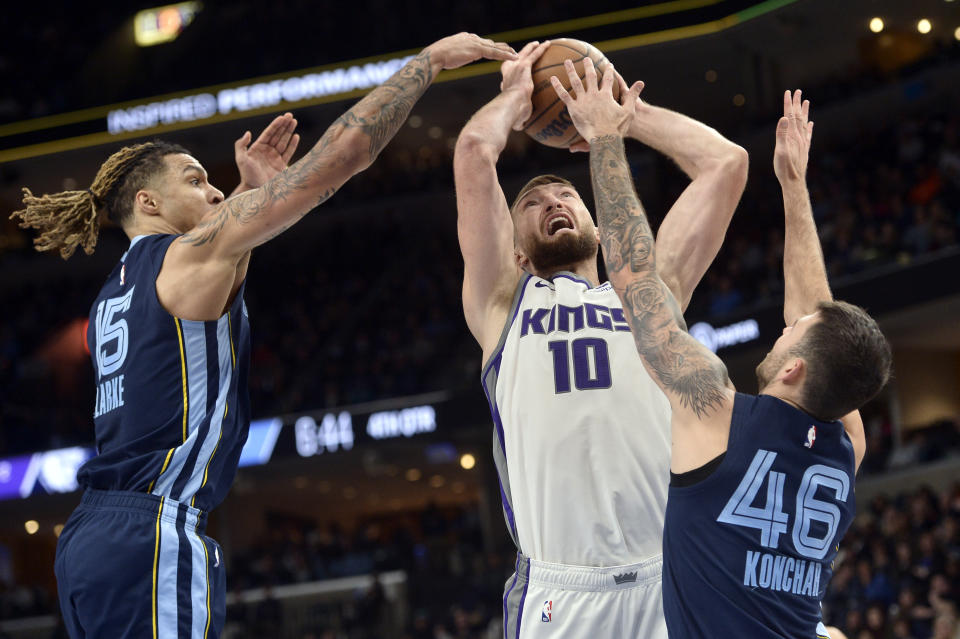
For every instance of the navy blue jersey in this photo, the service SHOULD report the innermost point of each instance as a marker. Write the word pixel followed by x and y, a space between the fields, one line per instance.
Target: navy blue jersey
pixel 748 551
pixel 172 407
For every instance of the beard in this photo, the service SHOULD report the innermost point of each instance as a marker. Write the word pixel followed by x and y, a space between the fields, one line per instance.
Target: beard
pixel 767 369
pixel 565 250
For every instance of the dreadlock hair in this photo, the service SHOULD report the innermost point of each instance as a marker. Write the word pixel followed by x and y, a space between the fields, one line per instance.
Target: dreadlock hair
pixel 69 219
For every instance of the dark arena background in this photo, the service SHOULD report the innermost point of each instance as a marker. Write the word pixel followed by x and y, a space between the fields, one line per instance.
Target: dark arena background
pixel 367 504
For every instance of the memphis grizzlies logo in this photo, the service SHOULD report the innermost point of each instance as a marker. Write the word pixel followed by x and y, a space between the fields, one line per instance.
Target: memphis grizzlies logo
pixel 547 613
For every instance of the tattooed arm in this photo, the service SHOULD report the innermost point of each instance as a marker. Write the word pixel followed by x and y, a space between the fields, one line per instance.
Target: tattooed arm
pixel 693 378
pixel 198 278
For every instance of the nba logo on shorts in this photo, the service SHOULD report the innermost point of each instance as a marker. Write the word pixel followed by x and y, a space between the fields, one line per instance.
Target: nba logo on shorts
pixel 547 613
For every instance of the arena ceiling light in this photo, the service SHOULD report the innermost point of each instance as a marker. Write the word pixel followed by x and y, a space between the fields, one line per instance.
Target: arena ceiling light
pixel 876 25
pixel 163 24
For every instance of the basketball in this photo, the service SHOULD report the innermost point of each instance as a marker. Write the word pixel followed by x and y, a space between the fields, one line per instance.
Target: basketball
pixel 550 122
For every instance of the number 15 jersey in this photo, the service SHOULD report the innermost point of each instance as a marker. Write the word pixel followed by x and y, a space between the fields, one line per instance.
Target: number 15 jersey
pixel 172 408
pixel 581 432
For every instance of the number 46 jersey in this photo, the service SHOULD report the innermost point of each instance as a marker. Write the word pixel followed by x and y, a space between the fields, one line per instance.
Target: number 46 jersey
pixel 748 550
pixel 582 433
pixel 172 409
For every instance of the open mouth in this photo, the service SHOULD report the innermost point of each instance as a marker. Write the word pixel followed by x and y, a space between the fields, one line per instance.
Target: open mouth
pixel 558 222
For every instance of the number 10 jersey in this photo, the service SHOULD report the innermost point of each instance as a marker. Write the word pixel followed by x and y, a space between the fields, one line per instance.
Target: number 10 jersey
pixel 581 432
pixel 172 409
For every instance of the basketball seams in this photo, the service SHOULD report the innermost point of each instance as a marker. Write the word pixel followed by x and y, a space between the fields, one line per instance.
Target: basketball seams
pixel 543 84
pixel 541 114
pixel 563 43
pixel 560 64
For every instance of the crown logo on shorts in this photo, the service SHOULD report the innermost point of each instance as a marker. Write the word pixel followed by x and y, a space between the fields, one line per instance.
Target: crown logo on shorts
pixel 625 578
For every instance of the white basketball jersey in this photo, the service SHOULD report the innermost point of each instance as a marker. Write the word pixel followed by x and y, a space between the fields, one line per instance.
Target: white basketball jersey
pixel 581 431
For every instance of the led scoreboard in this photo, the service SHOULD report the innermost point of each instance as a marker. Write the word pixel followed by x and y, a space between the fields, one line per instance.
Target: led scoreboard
pixel 299 435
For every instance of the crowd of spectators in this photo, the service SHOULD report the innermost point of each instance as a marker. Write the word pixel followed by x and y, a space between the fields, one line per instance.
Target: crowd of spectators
pixel 452 589
pixel 898 572
pixel 882 202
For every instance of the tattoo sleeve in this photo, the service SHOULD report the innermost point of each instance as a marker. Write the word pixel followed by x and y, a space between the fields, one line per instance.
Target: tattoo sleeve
pixel 377 117
pixel 682 366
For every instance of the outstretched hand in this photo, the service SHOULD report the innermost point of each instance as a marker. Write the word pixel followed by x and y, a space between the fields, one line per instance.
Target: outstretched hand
pixel 594 110
pixel 794 133
pixel 517 76
pixel 463 48
pixel 268 155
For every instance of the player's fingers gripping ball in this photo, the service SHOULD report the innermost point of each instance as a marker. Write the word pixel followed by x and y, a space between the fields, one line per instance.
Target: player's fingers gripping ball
pixel 550 122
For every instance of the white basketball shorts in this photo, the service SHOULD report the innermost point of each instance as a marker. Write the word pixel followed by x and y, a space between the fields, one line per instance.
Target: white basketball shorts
pixel 545 600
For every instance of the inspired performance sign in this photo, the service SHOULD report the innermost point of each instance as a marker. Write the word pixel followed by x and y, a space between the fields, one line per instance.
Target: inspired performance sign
pixel 102 125
pixel 629 28
pixel 290 91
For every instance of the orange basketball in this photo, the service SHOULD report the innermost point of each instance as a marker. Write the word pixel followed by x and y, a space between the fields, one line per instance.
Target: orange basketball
pixel 550 122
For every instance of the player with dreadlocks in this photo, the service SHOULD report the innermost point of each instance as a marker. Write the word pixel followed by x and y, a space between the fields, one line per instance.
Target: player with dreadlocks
pixel 169 340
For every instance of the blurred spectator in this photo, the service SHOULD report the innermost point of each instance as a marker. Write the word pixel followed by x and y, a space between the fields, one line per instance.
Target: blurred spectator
pixel 898 569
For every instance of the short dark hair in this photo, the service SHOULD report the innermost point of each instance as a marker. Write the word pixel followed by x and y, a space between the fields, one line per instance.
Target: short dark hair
pixel 540 180
pixel 848 360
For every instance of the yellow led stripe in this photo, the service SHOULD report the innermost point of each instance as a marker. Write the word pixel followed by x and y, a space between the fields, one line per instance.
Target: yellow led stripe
pixel 600 20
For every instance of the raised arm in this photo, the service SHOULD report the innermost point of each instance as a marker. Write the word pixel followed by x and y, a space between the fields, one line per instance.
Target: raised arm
pixel 693 230
pixel 199 272
pixel 804 272
pixel 693 378
pixel 484 226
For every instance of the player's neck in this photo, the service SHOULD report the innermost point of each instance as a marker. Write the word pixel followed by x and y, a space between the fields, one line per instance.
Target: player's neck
pixel 586 270
pixel 785 393
pixel 152 225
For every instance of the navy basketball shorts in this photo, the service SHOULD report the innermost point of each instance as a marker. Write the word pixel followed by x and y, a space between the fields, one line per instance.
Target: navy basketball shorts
pixel 134 565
